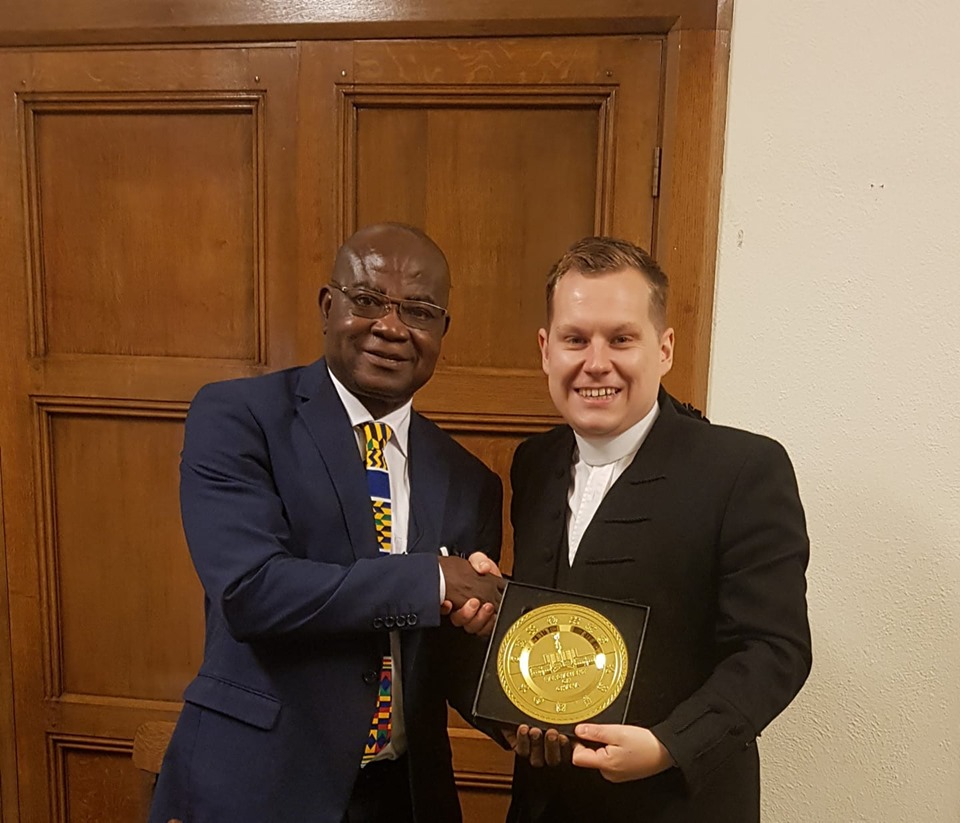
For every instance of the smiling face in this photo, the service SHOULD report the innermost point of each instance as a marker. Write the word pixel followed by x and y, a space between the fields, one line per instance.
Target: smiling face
pixel 382 361
pixel 603 354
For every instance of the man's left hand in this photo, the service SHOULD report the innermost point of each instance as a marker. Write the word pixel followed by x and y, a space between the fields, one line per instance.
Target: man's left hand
pixel 627 753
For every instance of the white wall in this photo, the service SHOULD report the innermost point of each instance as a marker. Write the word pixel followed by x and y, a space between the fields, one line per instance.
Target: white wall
pixel 837 332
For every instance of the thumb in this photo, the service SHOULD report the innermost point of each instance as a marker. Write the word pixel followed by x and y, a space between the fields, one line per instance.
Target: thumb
pixel 483 564
pixel 599 733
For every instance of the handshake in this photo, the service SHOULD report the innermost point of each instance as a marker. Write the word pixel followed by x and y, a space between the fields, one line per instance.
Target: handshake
pixel 473 591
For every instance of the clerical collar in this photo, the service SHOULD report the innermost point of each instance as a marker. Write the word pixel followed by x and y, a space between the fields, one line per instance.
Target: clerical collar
pixel 599 451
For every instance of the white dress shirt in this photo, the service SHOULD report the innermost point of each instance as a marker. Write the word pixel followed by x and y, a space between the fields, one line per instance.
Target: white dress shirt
pixel 599 462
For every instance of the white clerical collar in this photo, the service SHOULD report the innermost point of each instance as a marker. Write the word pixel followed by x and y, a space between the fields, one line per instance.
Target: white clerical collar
pixel 599 451
pixel 398 419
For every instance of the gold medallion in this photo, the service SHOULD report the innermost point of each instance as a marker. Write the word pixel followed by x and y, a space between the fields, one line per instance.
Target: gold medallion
pixel 562 663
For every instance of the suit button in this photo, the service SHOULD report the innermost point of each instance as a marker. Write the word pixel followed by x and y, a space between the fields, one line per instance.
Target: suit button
pixel 555 515
pixel 389 622
pixel 378 622
pixel 401 621
pixel 411 620
pixel 371 677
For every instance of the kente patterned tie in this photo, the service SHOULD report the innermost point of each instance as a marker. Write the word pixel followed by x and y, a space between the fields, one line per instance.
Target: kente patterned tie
pixel 375 437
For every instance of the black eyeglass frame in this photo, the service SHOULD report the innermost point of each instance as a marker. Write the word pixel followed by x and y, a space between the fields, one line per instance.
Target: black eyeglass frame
pixel 382 303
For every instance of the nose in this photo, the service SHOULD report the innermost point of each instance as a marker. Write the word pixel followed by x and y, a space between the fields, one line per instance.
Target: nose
pixel 391 326
pixel 597 359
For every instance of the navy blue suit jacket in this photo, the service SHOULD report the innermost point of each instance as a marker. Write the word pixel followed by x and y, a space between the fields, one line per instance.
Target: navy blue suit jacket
pixel 299 603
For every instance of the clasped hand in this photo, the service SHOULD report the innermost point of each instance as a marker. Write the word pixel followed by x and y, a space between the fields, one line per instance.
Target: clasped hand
pixel 473 591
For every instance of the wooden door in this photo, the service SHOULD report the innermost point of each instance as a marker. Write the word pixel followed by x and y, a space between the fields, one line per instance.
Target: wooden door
pixel 505 151
pixel 145 237
pixel 167 218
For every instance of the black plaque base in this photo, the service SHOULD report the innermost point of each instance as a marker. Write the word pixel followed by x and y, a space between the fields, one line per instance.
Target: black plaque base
pixel 492 703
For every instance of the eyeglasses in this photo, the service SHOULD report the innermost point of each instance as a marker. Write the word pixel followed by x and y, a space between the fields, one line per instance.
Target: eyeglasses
pixel 416 314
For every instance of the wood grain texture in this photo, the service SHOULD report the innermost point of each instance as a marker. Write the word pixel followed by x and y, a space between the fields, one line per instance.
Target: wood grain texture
pixel 8 786
pixel 325 72
pixel 113 526
pixel 150 743
pixel 114 179
pixel 50 22
pixel 94 780
pixel 686 247
pixel 496 450
pixel 24 653
pixel 511 210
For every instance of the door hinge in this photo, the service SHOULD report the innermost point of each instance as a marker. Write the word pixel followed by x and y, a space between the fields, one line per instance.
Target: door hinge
pixel 655 177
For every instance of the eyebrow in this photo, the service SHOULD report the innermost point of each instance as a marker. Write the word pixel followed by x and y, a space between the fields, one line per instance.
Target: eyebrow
pixel 569 328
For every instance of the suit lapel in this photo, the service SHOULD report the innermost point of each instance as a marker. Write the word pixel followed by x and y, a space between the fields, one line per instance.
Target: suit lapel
pixel 629 499
pixel 327 422
pixel 550 516
pixel 653 460
pixel 429 482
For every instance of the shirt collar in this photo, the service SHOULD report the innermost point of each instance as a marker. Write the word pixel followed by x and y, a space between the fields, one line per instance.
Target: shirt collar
pixel 398 419
pixel 600 451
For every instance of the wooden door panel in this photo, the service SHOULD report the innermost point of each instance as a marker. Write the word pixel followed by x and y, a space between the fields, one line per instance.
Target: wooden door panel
pixel 158 187
pixel 113 180
pixel 485 178
pixel 97 781
pixel 124 602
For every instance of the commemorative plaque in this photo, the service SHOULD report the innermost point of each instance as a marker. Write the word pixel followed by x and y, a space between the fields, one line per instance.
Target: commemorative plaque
pixel 557 658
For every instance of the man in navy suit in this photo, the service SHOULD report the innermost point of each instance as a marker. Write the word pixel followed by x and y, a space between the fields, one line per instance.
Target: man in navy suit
pixel 638 498
pixel 305 603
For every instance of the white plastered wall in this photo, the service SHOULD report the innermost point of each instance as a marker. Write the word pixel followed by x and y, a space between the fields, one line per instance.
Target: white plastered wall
pixel 837 331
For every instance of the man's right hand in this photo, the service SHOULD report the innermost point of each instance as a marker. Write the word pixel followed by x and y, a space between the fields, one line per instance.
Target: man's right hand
pixel 475 617
pixel 464 583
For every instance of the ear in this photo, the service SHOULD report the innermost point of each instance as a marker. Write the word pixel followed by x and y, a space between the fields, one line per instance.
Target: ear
pixel 542 338
pixel 446 325
pixel 324 299
pixel 666 352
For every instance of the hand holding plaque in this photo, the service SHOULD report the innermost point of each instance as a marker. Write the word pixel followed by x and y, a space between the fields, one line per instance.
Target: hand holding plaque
pixel 558 658
pixel 541 748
